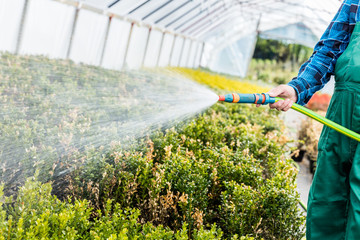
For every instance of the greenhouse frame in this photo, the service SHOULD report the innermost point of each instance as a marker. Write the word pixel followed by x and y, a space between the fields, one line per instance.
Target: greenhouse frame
pixel 118 34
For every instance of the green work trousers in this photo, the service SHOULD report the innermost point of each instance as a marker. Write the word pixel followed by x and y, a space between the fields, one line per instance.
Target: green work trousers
pixel 334 198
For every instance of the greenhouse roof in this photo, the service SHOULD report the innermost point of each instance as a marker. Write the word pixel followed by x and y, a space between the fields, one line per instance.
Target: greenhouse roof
pixel 217 34
pixel 218 21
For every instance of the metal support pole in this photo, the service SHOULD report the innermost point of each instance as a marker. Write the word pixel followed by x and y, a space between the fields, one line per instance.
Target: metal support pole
pixel 21 27
pixel 172 49
pixel 188 56
pixel 146 48
pixel 160 50
pixel 201 54
pixel 76 16
pixel 128 44
pixel 196 54
pixel 105 40
pixel 181 52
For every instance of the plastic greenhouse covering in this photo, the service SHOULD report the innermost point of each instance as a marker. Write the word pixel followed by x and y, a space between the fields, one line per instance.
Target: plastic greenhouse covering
pixel 118 34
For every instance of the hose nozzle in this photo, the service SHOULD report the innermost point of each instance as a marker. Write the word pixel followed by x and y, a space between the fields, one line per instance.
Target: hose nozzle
pixel 221 98
pixel 256 98
pixel 264 98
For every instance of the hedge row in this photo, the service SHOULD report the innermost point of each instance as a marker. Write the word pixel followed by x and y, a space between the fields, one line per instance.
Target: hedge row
pixel 55 113
pixel 223 175
pixel 226 167
pixel 220 176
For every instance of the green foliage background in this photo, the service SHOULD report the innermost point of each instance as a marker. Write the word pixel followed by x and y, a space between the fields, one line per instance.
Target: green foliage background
pixel 282 52
pixel 277 62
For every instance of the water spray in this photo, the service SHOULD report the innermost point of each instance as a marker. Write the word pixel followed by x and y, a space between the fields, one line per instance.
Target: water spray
pixel 264 99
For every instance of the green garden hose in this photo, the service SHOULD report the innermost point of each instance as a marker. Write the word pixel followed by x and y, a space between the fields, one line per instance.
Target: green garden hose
pixel 264 98
pixel 325 121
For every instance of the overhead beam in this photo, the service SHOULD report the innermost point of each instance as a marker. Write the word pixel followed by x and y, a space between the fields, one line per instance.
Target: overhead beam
pixel 113 3
pixel 195 16
pixel 221 15
pixel 138 7
pixel 173 11
pixel 183 15
pixel 204 18
pixel 106 12
pixel 157 9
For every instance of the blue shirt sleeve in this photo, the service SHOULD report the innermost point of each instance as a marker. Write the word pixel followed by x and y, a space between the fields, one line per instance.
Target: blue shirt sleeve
pixel 316 72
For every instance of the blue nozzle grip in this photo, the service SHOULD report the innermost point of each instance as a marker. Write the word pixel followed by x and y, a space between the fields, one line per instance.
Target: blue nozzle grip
pixel 263 98
pixel 256 98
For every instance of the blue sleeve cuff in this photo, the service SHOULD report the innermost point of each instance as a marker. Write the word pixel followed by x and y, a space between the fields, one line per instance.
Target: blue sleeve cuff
pixel 297 92
pixel 301 88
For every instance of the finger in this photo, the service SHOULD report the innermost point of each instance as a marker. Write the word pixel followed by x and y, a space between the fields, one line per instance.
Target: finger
pixel 277 104
pixel 288 105
pixel 281 105
pixel 275 91
pixel 272 106
pixel 258 105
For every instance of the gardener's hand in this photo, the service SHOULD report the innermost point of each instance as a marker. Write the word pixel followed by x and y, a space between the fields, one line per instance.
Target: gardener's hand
pixel 286 92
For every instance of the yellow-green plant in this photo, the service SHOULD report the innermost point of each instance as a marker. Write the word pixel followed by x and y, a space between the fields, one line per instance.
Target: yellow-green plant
pixel 220 82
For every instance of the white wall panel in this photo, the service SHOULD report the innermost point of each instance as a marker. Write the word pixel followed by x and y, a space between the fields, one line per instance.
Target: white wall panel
pixel 166 50
pixel 185 52
pixel 47 28
pixel 137 47
pixel 175 58
pixel 10 16
pixel 192 54
pixel 198 55
pixel 153 49
pixel 116 44
pixel 89 37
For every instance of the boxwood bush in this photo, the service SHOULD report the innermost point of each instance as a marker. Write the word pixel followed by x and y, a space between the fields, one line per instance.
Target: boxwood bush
pixel 37 214
pixel 222 175
pixel 221 168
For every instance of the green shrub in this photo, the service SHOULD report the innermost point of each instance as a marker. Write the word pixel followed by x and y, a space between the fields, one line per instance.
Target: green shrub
pixel 221 168
pixel 36 214
pixel 221 175
pixel 176 186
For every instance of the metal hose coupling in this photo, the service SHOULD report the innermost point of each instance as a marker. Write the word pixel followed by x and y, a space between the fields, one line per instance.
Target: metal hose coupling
pixel 255 98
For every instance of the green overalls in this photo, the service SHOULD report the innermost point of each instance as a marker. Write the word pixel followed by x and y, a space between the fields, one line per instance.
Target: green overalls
pixel 334 198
